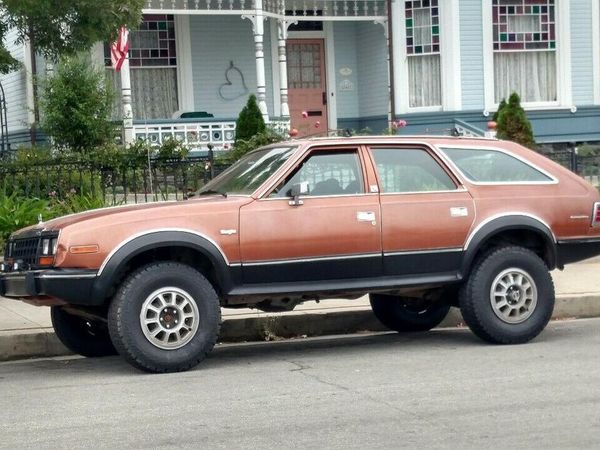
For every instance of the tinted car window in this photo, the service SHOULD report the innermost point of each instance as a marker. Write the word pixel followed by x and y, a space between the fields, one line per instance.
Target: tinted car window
pixel 493 166
pixel 327 173
pixel 410 170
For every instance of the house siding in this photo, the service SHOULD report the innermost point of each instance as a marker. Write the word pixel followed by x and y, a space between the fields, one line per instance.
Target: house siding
pixel 344 39
pixel 581 52
pixel 371 52
pixel 15 89
pixel 471 52
pixel 215 42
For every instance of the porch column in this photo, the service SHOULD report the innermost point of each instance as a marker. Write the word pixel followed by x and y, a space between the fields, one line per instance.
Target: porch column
pixel 126 99
pixel 283 82
pixel 259 31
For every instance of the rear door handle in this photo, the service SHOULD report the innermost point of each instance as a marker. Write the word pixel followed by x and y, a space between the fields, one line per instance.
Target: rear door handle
pixel 365 216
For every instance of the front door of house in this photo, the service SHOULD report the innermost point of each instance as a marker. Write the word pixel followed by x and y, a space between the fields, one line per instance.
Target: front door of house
pixel 307 89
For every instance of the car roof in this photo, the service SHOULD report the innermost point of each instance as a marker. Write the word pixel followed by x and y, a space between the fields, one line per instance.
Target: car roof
pixel 397 139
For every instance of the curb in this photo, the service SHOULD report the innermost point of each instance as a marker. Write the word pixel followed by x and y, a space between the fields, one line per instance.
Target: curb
pixel 42 342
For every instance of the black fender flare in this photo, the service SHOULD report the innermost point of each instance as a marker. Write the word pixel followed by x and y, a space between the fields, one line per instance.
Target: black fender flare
pixel 128 249
pixel 505 223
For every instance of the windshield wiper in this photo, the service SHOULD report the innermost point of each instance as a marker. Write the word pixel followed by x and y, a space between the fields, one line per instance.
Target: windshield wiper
pixel 212 191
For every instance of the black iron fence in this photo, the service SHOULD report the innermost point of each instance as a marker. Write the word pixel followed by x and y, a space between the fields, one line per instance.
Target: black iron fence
pixel 587 166
pixel 158 180
pixel 124 183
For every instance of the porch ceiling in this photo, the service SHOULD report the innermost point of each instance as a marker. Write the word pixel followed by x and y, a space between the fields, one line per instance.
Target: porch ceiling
pixel 290 10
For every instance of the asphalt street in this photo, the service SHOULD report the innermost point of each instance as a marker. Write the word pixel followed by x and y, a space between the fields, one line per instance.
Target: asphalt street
pixel 443 389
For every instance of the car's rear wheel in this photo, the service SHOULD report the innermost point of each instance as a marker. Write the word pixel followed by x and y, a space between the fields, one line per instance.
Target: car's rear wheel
pixel 165 317
pixel 80 335
pixel 407 315
pixel 509 296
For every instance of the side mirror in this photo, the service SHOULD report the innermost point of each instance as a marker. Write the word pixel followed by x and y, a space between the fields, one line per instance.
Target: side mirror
pixel 296 191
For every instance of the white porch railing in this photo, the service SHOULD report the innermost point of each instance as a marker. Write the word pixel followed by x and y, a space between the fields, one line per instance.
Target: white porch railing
pixel 467 130
pixel 197 135
pixel 291 9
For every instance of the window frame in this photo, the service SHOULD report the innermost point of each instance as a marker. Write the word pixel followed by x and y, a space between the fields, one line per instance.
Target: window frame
pixel 563 61
pixel 181 66
pixel 440 149
pixel 266 193
pixel 450 59
pixel 446 168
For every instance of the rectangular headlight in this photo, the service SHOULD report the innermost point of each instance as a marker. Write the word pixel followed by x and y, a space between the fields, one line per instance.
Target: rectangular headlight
pixel 49 246
pixel 46 246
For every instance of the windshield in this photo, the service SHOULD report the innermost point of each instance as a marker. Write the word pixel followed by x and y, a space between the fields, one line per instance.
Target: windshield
pixel 246 175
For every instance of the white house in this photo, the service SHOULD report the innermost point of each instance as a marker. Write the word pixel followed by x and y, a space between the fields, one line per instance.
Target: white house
pixel 352 64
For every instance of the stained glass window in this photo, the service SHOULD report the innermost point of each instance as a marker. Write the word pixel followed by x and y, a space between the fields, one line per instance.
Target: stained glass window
pixel 304 66
pixel 524 24
pixel 152 44
pixel 422 22
pixel 524 44
pixel 153 63
pixel 422 27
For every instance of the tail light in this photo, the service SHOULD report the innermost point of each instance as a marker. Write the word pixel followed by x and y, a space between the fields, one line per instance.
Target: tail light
pixel 596 215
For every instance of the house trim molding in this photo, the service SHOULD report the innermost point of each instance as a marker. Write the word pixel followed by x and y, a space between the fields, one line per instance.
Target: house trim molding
pixel 596 49
pixel 185 76
pixel 27 67
pixel 450 55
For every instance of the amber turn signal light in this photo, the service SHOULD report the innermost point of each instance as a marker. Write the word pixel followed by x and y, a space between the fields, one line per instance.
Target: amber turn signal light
pixel 46 260
pixel 82 249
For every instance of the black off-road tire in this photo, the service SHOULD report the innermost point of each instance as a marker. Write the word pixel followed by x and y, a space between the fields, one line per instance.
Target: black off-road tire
pixel 125 325
pixel 401 315
pixel 476 298
pixel 80 335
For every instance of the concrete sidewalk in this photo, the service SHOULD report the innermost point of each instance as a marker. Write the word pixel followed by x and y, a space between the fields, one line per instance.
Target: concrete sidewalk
pixel 26 331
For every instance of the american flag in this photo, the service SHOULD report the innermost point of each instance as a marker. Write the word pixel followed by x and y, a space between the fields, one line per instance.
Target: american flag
pixel 118 50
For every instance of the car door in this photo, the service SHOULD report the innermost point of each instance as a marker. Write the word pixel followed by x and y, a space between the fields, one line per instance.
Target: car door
pixel 332 233
pixel 426 214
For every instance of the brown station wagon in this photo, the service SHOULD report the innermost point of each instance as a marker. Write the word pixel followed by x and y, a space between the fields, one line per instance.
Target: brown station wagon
pixel 419 223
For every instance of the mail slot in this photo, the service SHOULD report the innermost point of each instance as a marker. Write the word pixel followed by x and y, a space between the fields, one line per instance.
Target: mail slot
pixel 315 113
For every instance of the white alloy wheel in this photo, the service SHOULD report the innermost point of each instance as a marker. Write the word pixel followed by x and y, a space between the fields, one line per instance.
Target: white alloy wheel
pixel 513 295
pixel 169 318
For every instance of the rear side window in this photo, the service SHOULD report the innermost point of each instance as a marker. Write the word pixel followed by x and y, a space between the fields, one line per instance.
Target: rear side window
pixel 494 166
pixel 410 170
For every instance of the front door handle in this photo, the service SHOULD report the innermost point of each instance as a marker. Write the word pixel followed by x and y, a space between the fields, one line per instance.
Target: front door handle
pixel 365 216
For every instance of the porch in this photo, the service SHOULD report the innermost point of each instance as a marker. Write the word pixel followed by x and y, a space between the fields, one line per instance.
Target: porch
pixel 313 65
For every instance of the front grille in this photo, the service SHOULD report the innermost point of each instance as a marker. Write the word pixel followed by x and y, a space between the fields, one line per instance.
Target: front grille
pixel 23 253
pixel 26 250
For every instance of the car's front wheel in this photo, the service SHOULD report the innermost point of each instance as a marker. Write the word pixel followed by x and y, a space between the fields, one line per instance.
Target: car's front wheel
pixel 165 317
pixel 80 335
pixel 405 315
pixel 509 296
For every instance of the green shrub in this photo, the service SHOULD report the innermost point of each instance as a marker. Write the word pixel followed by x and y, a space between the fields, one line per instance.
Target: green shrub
pixel 74 203
pixel 18 212
pixel 500 108
pixel 76 104
pixel 241 146
pixel 250 121
pixel 513 124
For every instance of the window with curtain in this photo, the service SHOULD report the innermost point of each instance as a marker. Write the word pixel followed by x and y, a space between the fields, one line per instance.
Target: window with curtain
pixel 423 53
pixel 525 49
pixel 153 67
